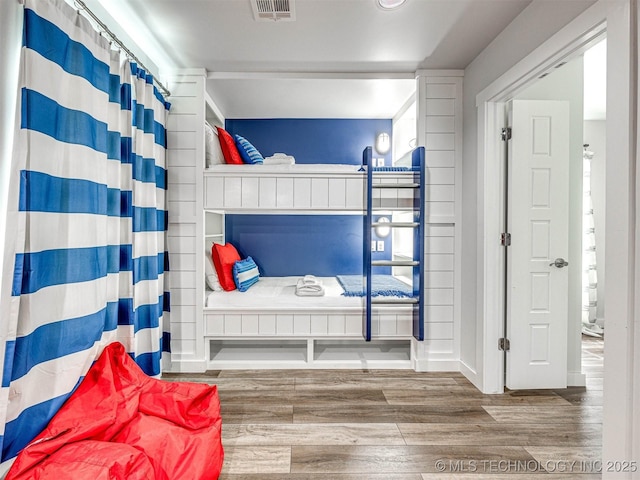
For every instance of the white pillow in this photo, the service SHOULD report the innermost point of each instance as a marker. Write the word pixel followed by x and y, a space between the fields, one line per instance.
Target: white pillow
pixel 210 273
pixel 213 152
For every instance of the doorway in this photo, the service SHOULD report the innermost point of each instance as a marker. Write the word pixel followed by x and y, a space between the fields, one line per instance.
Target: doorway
pixel 556 304
pixel 619 425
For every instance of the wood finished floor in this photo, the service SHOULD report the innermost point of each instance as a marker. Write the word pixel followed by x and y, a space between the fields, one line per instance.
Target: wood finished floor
pixel 403 425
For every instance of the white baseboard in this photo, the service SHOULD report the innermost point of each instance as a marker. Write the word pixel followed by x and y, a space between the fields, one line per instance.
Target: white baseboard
pixel 576 379
pixel 427 365
pixel 470 374
pixel 187 366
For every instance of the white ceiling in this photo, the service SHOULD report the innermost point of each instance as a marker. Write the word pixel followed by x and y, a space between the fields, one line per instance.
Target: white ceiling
pixel 339 39
pixel 310 98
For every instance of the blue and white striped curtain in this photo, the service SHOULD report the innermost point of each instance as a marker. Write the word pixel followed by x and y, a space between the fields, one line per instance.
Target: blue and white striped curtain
pixel 87 218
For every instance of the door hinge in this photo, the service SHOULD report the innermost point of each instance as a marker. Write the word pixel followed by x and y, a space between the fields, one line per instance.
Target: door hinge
pixel 503 344
pixel 505 239
pixel 506 134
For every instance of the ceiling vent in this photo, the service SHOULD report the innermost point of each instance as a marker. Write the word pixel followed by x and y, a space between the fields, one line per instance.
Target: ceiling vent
pixel 265 10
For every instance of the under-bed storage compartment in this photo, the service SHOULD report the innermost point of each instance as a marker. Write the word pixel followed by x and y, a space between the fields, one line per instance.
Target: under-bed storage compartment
pixel 247 354
pixel 262 352
pixel 391 352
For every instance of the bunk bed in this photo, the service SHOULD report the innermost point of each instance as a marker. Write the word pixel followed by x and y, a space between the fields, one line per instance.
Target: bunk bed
pixel 270 325
pixel 309 188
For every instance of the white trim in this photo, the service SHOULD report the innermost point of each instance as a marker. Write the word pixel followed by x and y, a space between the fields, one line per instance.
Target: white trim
pixel 457 258
pixel 184 72
pixel 469 373
pixel 439 73
pixel 311 75
pixel 635 326
pixel 583 31
pixel 490 284
pixel 430 365
pixel 619 370
pixel 575 38
pixel 329 75
pixel 181 365
pixel 576 379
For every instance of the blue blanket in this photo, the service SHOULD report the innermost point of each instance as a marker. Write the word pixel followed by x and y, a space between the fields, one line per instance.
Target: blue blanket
pixel 381 285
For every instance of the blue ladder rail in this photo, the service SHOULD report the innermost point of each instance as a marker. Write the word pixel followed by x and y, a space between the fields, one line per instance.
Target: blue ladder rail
pixel 418 169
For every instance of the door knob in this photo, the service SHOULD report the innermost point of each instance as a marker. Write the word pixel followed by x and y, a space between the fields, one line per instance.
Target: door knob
pixel 559 263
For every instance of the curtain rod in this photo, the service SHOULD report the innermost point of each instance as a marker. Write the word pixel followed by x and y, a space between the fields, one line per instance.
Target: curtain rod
pixel 113 36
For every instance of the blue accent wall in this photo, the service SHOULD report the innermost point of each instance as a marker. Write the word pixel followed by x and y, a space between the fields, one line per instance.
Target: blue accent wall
pixel 322 245
pixel 281 245
pixel 310 140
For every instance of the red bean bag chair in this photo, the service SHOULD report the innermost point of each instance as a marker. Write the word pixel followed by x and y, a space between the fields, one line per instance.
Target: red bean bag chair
pixel 122 424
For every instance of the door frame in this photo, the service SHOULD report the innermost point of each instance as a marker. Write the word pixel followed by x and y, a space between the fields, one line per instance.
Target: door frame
pixel 586 30
pixel 618 20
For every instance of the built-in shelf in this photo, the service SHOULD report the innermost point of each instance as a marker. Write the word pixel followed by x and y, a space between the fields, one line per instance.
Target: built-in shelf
pixel 309 353
pixel 255 353
pixel 376 351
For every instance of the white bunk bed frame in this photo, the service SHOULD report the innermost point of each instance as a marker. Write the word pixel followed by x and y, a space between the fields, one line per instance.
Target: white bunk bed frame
pixel 313 337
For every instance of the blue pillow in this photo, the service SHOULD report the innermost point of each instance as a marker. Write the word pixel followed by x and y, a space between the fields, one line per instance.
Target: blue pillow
pixel 248 152
pixel 245 273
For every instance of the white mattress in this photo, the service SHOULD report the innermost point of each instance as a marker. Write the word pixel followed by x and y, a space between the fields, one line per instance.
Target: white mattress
pixel 280 293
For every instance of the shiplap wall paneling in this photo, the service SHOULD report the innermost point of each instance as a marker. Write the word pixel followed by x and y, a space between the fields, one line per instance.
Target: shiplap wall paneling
pixel 185 142
pixel 227 191
pixel 440 132
pixel 385 323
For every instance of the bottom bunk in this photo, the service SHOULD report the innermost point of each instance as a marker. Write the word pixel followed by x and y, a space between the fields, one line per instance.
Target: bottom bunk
pixel 270 326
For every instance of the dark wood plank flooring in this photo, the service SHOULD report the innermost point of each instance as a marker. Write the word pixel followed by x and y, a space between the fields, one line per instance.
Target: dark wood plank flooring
pixel 403 425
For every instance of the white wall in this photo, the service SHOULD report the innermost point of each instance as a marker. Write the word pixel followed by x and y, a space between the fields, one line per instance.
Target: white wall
pixel 595 135
pixel 145 48
pixel 439 98
pixel 10 41
pixel 404 130
pixel 566 83
pixel 539 21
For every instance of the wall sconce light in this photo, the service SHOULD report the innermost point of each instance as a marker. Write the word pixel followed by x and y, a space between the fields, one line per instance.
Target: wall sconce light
pixel 383 143
pixel 383 230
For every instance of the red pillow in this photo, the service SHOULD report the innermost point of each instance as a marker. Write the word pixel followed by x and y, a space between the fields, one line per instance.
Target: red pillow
pixel 228 146
pixel 224 256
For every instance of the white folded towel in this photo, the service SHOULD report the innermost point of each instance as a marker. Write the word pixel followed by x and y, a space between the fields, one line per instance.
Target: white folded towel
pixel 309 286
pixel 279 159
pixel 311 280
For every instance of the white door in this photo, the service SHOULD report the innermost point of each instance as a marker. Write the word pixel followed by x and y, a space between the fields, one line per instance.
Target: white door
pixel 538 220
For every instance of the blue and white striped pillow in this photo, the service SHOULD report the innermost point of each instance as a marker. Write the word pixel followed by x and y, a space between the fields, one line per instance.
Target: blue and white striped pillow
pixel 245 273
pixel 248 152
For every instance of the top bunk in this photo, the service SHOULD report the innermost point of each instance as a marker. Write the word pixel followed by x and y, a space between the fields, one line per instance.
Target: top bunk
pixel 309 188
pixel 278 188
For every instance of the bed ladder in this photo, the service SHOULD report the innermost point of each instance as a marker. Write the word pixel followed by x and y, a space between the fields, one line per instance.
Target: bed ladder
pixel 375 208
